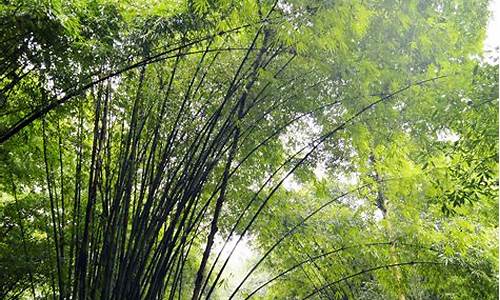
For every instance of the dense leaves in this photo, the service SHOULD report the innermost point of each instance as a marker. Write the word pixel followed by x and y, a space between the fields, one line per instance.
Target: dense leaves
pixel 350 146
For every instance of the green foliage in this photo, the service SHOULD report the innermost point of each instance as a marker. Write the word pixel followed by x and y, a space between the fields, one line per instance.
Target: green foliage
pixel 354 142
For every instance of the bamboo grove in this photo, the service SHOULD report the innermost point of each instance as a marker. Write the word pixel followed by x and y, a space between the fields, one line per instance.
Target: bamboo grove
pixel 137 137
